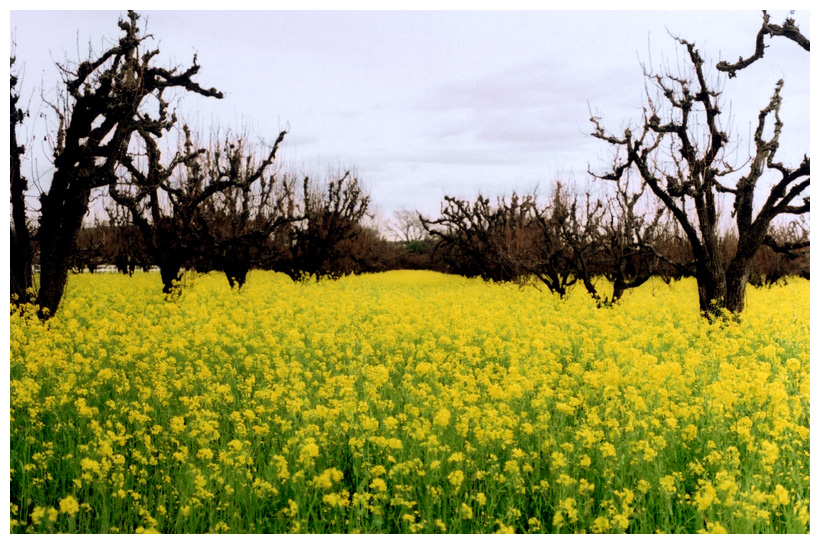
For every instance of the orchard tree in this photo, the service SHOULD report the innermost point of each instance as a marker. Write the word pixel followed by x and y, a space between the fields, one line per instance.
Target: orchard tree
pixel 242 221
pixel 408 229
pixel 517 239
pixel 22 252
pixel 107 100
pixel 329 217
pixel 478 238
pixel 168 202
pixel 92 247
pixel 569 242
pixel 127 249
pixel 689 181
pixel 632 241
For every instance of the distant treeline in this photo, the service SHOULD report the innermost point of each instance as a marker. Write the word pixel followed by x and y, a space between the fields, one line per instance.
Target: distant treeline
pixel 566 240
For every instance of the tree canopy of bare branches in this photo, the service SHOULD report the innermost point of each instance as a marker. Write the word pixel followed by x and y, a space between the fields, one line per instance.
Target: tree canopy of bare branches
pixel 169 202
pixel 481 239
pixel 242 221
pixel 689 189
pixel 105 104
pixel 330 217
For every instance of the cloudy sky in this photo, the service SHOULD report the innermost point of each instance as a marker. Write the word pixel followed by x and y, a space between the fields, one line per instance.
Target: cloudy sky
pixel 427 103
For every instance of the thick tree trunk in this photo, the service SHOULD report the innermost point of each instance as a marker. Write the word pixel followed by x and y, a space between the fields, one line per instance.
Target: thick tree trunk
pixel 711 287
pixel 62 216
pixel 53 278
pixel 235 261
pixel 590 287
pixel 626 278
pixel 737 276
pixel 237 276
pixel 750 240
pixel 21 251
pixel 169 271
pixel 618 289
pixel 20 266
pixel 121 262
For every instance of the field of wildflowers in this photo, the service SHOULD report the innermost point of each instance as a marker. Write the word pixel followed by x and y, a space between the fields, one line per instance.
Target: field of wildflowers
pixel 407 402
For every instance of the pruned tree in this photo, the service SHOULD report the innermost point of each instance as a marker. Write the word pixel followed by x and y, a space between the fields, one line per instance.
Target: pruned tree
pixel 790 242
pixel 242 221
pixel 689 183
pixel 408 229
pixel 167 202
pixel 632 241
pixel 163 203
pixel 127 249
pixel 481 239
pixel 21 246
pixel 93 247
pixel 518 239
pixel 106 102
pixel 329 216
pixel 569 242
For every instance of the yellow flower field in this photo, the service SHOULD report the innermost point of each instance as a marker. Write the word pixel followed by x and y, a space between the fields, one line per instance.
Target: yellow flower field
pixel 407 402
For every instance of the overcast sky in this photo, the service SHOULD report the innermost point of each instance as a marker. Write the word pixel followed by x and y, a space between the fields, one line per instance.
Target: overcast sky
pixel 423 104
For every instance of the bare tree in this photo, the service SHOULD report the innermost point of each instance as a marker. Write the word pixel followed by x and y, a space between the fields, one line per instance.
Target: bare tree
pixel 241 220
pixel 696 178
pixel 105 104
pixel 127 249
pixel 632 240
pixel 481 239
pixel 330 216
pixel 93 247
pixel 569 242
pixel 166 202
pixel 407 226
pixel 22 252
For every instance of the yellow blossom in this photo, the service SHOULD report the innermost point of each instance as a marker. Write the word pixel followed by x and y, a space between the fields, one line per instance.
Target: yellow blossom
pixel 69 505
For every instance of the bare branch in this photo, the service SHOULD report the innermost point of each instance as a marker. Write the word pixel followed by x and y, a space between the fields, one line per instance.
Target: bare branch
pixel 789 30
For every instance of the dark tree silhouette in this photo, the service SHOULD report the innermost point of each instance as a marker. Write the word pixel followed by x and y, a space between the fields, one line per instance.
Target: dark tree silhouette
pixel 632 240
pixel 478 238
pixel 330 216
pixel 167 203
pixel 105 104
pixel 569 239
pixel 93 247
pixel 517 239
pixel 242 221
pixel 126 247
pixel 22 252
pixel 568 243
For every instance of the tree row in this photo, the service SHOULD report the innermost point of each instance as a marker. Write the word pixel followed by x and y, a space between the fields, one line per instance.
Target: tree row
pixel 224 203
